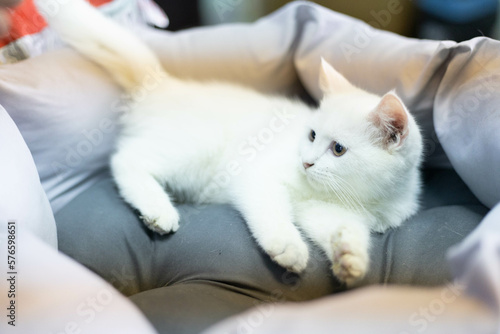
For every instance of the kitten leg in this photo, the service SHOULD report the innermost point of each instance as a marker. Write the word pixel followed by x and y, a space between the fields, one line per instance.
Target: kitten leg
pixel 341 234
pixel 142 191
pixel 268 213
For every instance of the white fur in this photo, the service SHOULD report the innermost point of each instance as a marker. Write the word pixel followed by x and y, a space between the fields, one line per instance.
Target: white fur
pixel 222 143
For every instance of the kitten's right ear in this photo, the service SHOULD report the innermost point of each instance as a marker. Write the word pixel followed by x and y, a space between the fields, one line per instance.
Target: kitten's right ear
pixel 331 81
pixel 391 118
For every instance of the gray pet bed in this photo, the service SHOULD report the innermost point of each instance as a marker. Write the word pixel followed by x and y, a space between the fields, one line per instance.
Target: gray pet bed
pixel 66 110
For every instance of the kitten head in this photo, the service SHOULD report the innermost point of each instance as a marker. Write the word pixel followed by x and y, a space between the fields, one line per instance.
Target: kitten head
pixel 358 146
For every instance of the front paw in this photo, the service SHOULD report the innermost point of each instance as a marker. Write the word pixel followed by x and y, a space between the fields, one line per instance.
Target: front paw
pixel 161 221
pixel 290 254
pixel 350 257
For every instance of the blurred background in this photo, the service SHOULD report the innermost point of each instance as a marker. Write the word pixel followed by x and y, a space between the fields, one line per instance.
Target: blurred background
pixel 431 19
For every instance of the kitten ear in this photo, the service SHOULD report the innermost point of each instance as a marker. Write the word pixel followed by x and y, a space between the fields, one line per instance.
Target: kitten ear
pixel 391 119
pixel 331 81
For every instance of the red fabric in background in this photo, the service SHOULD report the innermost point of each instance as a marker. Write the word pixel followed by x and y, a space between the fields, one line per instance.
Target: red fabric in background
pixel 27 21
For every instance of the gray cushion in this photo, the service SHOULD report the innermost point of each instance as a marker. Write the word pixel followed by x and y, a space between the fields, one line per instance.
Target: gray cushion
pixel 212 268
pixel 415 253
pixel 100 231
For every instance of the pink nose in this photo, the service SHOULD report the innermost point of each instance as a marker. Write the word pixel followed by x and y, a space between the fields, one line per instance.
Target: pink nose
pixel 307 165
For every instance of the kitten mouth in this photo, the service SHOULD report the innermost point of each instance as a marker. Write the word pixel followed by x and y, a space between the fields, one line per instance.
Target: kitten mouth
pixel 312 179
pixel 309 176
pixel 305 172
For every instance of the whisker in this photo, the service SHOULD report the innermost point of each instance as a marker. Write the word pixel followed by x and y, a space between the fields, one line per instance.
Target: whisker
pixel 352 192
pixel 336 189
pixel 344 191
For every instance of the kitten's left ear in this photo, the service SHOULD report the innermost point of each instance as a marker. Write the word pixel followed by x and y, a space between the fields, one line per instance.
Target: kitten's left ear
pixel 391 119
pixel 331 81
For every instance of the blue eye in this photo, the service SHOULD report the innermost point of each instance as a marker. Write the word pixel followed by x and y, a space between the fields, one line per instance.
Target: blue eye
pixel 338 149
pixel 312 135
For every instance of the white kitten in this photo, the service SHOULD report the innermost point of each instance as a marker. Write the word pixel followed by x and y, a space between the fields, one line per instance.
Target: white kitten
pixel 334 173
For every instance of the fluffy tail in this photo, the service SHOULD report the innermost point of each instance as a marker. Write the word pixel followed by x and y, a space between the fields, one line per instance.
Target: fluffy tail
pixel 120 52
